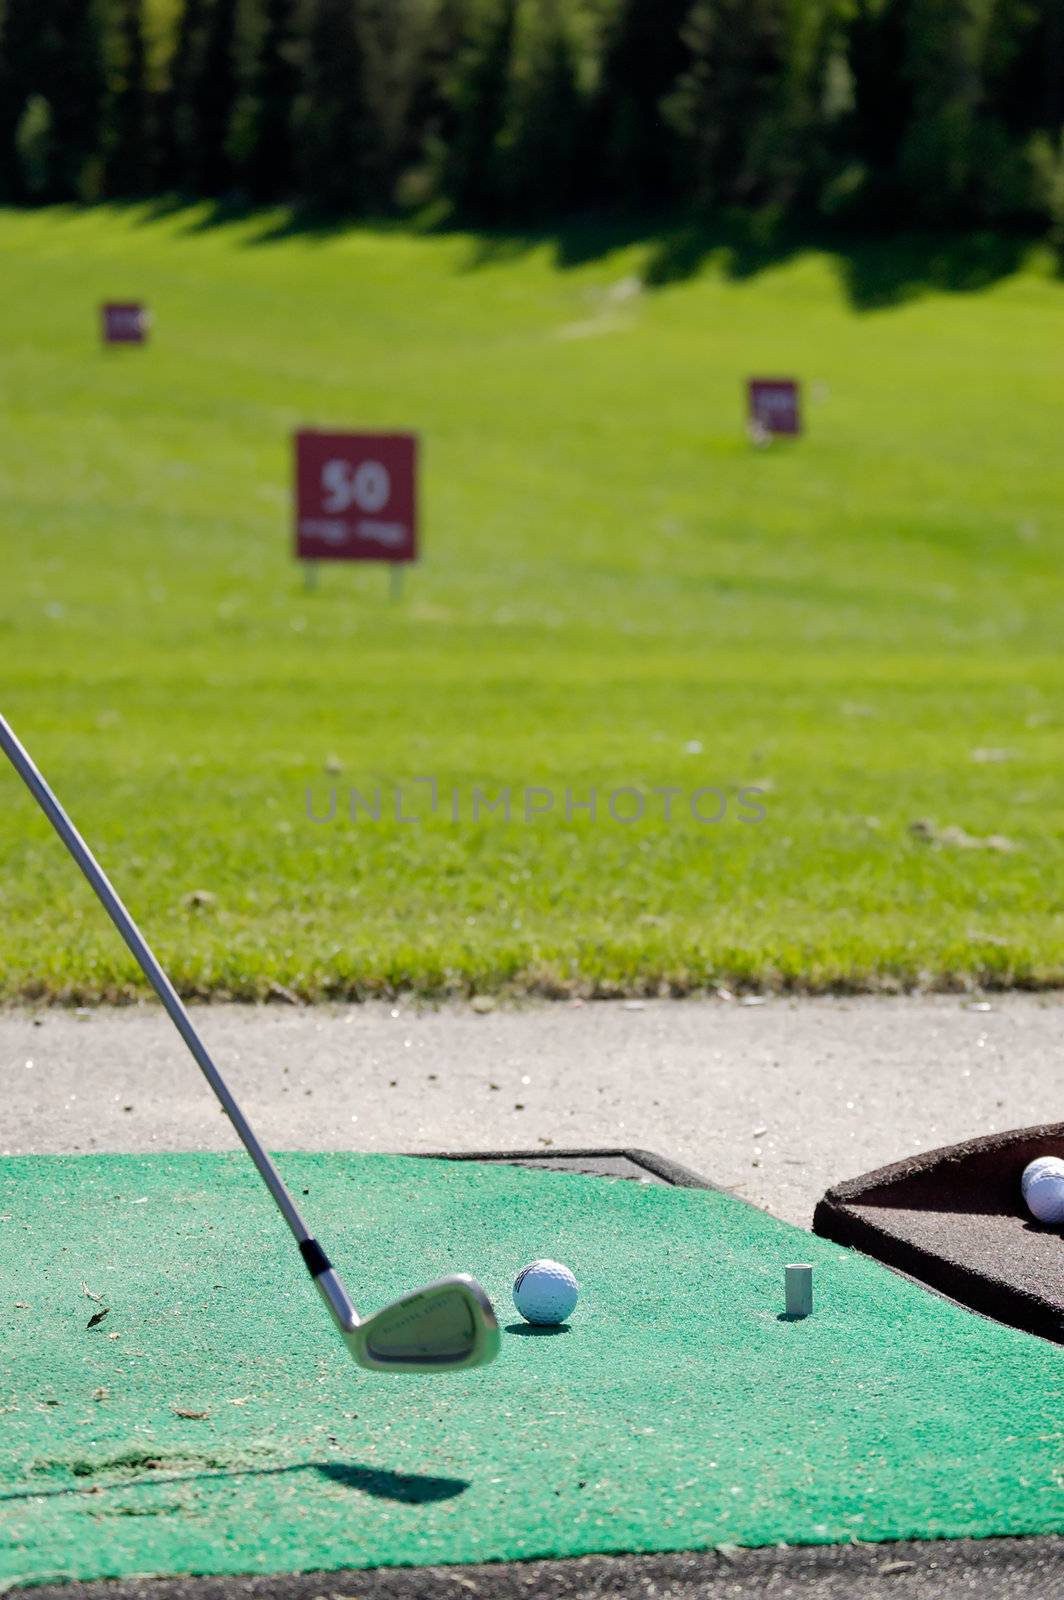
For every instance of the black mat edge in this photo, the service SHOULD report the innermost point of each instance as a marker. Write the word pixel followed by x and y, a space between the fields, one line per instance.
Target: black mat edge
pixel 836 1218
pixel 668 1171
pixel 943 1569
pixel 912 1166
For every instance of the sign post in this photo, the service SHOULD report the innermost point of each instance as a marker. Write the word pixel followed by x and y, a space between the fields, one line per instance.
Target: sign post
pixel 773 407
pixel 356 500
pixel 124 323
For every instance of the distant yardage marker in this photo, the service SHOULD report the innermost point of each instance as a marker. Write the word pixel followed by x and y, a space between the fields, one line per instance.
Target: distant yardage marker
pixel 356 499
pixel 773 407
pixel 125 322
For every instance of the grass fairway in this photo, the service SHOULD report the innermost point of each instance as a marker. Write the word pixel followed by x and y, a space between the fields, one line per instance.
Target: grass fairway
pixel 617 591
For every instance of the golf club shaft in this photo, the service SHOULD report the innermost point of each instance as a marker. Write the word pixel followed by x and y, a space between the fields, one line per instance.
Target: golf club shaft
pixel 320 1268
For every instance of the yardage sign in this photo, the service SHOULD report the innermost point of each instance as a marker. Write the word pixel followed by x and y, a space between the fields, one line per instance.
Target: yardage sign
pixel 774 405
pixel 124 324
pixel 356 496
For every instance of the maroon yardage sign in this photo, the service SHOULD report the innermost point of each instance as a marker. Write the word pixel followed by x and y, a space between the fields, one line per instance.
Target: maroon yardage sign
pixel 124 324
pixel 774 405
pixel 356 497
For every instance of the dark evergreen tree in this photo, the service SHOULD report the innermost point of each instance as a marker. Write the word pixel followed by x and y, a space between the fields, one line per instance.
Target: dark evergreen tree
pixel 397 38
pixel 202 94
pixel 882 96
pixel 180 155
pixel 1034 107
pixel 214 99
pixel 23 56
pixel 34 148
pixel 542 142
pixel 762 102
pixel 74 86
pixel 643 56
pixel 1026 46
pixel 931 110
pixel 478 93
pixel 260 133
pixel 805 139
pixel 433 108
pixel 956 159
pixel 128 163
pixel 333 145
pixel 725 93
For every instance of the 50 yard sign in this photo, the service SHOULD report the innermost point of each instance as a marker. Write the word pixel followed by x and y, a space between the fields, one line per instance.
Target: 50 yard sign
pixel 356 496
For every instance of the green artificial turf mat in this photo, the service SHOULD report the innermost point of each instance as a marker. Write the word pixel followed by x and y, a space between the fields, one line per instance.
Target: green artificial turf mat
pixel 679 1411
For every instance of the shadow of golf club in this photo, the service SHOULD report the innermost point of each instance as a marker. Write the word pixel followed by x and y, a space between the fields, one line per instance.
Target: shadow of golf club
pixel 410 1488
pixel 407 1488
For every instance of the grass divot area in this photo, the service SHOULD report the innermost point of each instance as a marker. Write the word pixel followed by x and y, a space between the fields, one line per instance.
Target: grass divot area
pixel 212 1422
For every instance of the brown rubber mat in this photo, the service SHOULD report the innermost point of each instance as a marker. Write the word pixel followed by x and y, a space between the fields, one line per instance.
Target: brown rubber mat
pixel 935 1569
pixel 955 1220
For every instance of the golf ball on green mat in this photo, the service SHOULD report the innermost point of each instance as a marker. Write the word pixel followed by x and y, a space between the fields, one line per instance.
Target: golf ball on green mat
pixel 1042 1185
pixel 545 1292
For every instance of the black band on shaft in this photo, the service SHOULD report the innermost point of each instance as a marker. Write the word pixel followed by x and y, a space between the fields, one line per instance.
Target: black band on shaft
pixel 314 1256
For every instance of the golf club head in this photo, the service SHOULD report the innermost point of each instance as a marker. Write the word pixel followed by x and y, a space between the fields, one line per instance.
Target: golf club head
pixel 447 1326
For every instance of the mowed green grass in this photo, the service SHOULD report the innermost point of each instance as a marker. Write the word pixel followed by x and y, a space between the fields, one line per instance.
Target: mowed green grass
pixel 617 590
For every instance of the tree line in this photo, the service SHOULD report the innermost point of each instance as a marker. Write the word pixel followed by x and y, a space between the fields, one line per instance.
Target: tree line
pixel 513 111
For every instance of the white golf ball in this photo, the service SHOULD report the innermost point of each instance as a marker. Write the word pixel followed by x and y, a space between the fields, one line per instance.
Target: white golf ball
pixel 1043 1189
pixel 545 1292
pixel 1040 1164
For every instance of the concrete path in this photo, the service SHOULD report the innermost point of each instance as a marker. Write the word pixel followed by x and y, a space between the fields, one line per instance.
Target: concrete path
pixel 776 1100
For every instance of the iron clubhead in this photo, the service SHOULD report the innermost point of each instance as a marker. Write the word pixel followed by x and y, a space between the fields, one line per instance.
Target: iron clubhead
pixel 447 1326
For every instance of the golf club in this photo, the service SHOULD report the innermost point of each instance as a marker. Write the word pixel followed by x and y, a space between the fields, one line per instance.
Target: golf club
pixel 445 1326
